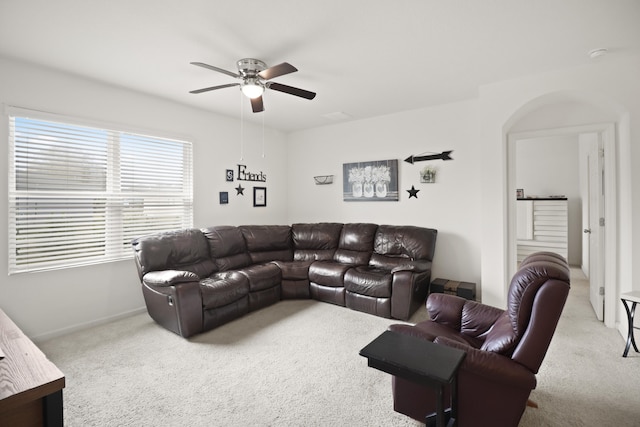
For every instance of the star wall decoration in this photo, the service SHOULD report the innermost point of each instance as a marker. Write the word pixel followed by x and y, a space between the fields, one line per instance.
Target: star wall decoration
pixel 240 190
pixel 413 192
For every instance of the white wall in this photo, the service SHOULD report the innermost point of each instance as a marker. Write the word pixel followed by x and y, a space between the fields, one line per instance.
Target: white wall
pixel 550 166
pixel 48 303
pixel 451 205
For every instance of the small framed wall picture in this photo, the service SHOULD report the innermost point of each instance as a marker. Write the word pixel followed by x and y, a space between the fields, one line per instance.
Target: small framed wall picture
pixel 520 193
pixel 224 197
pixel 229 175
pixel 259 196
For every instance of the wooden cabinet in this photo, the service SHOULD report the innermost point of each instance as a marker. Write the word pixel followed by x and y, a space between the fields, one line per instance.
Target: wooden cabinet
pixel 542 225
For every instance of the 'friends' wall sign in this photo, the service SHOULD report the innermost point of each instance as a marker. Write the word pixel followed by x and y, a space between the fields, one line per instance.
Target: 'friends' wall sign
pixel 245 175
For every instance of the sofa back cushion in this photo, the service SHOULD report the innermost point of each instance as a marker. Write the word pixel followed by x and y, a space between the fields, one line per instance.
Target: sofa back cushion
pixel 534 310
pixel 315 242
pixel 356 244
pixel 396 244
pixel 185 250
pixel 406 240
pixel 227 247
pixel 268 242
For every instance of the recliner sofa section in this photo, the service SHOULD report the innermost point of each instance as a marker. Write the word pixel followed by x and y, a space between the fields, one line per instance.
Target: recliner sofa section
pixel 197 279
pixel 326 277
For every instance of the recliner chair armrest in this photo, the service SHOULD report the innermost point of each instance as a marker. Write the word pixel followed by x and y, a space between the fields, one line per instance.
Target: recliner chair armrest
pixel 169 277
pixel 450 310
pixel 446 309
pixel 492 366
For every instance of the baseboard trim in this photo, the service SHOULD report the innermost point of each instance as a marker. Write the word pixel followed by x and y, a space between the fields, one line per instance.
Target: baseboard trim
pixel 70 329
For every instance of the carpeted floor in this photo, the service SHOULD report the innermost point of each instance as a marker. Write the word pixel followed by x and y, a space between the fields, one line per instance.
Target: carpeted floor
pixel 296 363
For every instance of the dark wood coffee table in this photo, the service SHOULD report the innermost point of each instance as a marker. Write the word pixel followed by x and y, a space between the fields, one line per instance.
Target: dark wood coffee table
pixel 421 361
pixel 30 384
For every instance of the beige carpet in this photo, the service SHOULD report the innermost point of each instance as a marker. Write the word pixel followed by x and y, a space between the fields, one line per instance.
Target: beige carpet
pixel 296 363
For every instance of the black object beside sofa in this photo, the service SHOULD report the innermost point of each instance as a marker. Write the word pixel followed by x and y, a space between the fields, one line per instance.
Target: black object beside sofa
pixel 194 280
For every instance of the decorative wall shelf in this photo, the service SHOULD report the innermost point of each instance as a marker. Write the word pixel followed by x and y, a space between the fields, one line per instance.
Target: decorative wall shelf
pixel 323 179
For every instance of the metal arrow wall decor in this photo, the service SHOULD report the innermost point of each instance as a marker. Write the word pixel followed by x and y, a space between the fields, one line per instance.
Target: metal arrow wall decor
pixel 445 155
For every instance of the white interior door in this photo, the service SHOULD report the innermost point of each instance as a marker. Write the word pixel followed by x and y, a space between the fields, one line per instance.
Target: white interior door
pixel 595 229
pixel 585 200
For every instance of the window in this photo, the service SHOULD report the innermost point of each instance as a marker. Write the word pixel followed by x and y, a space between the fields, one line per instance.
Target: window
pixel 79 194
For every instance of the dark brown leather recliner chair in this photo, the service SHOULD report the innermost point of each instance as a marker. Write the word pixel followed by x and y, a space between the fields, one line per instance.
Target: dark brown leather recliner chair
pixel 505 348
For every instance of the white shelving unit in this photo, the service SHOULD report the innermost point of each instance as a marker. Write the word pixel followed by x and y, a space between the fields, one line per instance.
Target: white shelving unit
pixel 542 225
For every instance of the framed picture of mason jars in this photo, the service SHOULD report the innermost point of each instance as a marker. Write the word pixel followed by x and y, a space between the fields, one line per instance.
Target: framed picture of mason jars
pixel 375 181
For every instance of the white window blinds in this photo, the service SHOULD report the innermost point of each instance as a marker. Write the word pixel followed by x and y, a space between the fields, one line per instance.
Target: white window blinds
pixel 79 194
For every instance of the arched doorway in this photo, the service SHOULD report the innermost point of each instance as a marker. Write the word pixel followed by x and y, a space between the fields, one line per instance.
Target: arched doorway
pixel 570 114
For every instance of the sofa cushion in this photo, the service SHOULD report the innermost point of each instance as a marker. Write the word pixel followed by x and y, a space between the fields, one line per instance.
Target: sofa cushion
pixel 185 250
pixel 405 241
pixel 364 280
pixel 268 242
pixel 328 273
pixel 315 242
pixel 227 247
pixel 356 244
pixel 294 270
pixel 262 276
pixel 223 288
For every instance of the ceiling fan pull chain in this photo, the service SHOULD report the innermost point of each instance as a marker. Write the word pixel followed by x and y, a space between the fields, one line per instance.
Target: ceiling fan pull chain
pixel 241 128
pixel 263 113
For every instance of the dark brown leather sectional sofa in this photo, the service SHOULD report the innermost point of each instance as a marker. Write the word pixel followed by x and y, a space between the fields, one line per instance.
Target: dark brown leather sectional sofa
pixel 197 279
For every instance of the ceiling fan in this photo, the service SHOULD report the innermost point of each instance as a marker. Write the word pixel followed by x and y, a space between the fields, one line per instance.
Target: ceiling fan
pixel 254 79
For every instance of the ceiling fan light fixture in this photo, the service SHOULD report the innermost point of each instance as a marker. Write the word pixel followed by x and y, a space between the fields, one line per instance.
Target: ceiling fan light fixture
pixel 252 89
pixel 255 78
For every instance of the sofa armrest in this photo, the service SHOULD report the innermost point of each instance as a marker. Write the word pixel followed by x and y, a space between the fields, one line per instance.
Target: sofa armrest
pixel 178 307
pixel 408 292
pixel 419 266
pixel 169 277
pixel 492 366
pixel 174 300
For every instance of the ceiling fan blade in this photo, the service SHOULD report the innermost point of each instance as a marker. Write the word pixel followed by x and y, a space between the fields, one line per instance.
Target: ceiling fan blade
pixel 220 70
pixel 277 70
pixel 291 90
pixel 257 105
pixel 207 89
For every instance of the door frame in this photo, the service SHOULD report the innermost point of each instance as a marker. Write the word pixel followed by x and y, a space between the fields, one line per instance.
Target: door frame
pixel 591 186
pixel 608 134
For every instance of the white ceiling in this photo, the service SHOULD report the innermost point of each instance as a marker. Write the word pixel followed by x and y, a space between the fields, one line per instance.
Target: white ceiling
pixel 364 58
